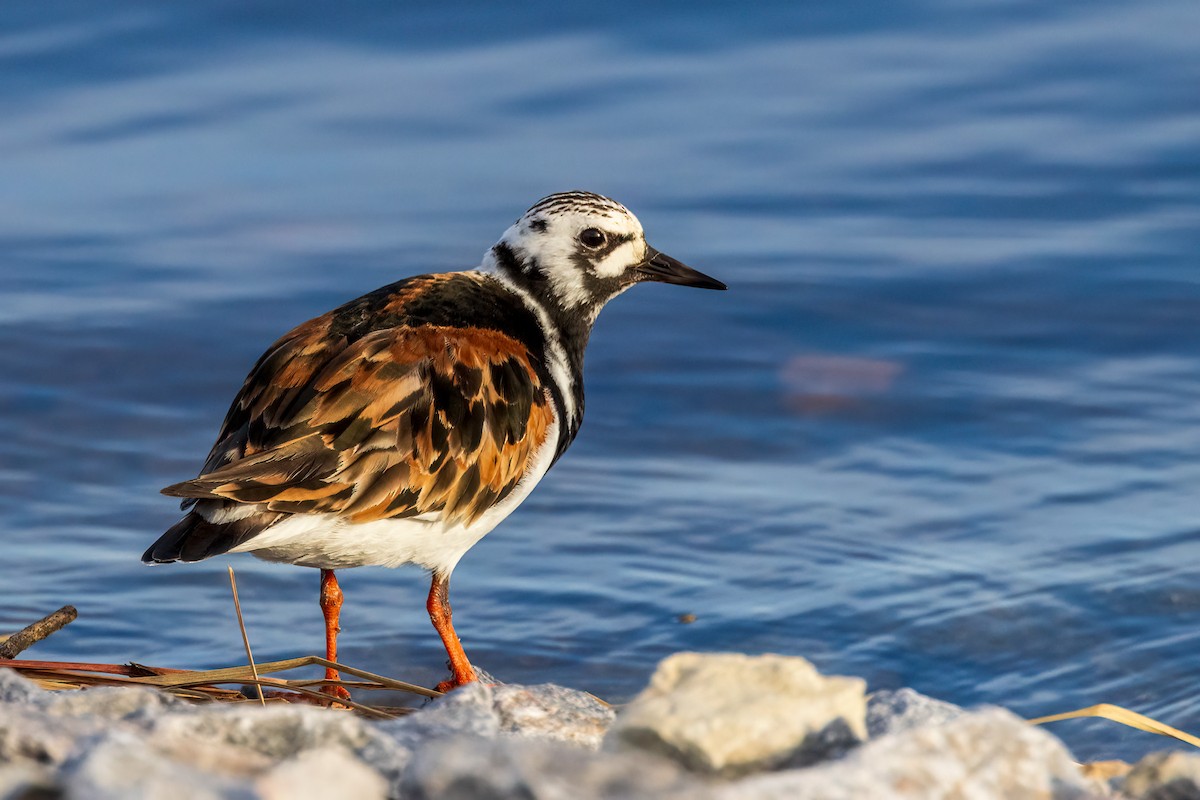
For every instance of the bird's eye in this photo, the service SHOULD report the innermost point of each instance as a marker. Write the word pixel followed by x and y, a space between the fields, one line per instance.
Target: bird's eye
pixel 592 237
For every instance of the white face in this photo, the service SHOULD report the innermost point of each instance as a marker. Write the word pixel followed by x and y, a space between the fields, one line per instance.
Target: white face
pixel 585 251
pixel 578 250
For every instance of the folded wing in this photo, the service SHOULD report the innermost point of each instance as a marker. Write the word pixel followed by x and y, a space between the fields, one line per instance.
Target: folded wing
pixel 401 422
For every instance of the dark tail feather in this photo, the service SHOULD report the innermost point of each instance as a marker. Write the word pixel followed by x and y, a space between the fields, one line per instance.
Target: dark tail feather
pixel 194 538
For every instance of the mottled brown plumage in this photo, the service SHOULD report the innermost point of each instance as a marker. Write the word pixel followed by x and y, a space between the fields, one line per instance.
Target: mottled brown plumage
pixel 401 422
pixel 401 427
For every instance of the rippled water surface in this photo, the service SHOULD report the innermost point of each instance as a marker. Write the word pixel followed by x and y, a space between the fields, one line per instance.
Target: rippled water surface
pixel 943 430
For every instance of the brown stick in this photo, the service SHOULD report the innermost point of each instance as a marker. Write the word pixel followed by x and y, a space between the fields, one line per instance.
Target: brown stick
pixel 131 670
pixel 39 630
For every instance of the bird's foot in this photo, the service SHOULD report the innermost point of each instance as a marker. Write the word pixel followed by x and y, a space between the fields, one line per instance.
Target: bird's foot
pixel 455 682
pixel 336 692
pixel 479 676
pixel 451 685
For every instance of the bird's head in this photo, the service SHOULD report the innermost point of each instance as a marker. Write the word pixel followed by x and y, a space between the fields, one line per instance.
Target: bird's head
pixel 580 250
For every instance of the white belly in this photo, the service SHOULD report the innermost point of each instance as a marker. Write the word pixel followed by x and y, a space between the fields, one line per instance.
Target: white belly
pixel 328 541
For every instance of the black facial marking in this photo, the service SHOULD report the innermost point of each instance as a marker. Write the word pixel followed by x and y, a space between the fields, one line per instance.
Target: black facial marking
pixel 533 270
pixel 538 225
pixel 613 243
pixel 506 259
pixel 586 259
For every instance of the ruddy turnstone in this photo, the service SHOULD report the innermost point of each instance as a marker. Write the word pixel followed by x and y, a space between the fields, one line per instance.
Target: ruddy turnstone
pixel 402 427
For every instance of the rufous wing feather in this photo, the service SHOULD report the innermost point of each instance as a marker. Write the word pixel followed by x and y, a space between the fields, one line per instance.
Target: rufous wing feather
pixel 400 422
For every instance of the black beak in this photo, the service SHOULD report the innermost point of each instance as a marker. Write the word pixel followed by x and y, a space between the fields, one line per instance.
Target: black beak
pixel 661 267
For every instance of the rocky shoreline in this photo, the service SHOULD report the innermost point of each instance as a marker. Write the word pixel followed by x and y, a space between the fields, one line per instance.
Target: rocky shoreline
pixel 711 726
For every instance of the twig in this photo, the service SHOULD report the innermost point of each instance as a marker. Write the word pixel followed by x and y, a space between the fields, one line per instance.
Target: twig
pixel 237 606
pixel 39 630
pixel 325 700
pixel 131 670
pixel 234 674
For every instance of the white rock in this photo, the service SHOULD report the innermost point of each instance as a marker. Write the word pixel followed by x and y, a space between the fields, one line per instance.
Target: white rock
pixel 984 755
pixel 732 714
pixel 322 775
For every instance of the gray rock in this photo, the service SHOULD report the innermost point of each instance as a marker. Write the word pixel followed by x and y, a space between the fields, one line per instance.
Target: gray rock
pixel 322 775
pixel 262 736
pixel 387 754
pixel 29 734
pixel 15 688
pixel 276 732
pixel 893 711
pixel 731 714
pixel 110 702
pixel 984 755
pixel 121 766
pixel 544 712
pixel 1164 776
pixel 469 768
pixel 468 709
pixel 27 781
pixel 134 743
pixel 553 712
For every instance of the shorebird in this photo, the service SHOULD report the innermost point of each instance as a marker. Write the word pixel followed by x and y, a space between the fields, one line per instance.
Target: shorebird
pixel 403 426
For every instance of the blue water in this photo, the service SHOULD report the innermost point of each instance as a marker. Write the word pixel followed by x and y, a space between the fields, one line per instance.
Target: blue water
pixel 943 430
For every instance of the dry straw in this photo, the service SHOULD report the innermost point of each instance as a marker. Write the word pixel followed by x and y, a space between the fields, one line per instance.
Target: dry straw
pixel 1125 717
pixel 237 607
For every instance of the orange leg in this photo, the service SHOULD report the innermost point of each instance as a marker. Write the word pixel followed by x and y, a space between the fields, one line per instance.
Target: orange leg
pixel 331 608
pixel 438 606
